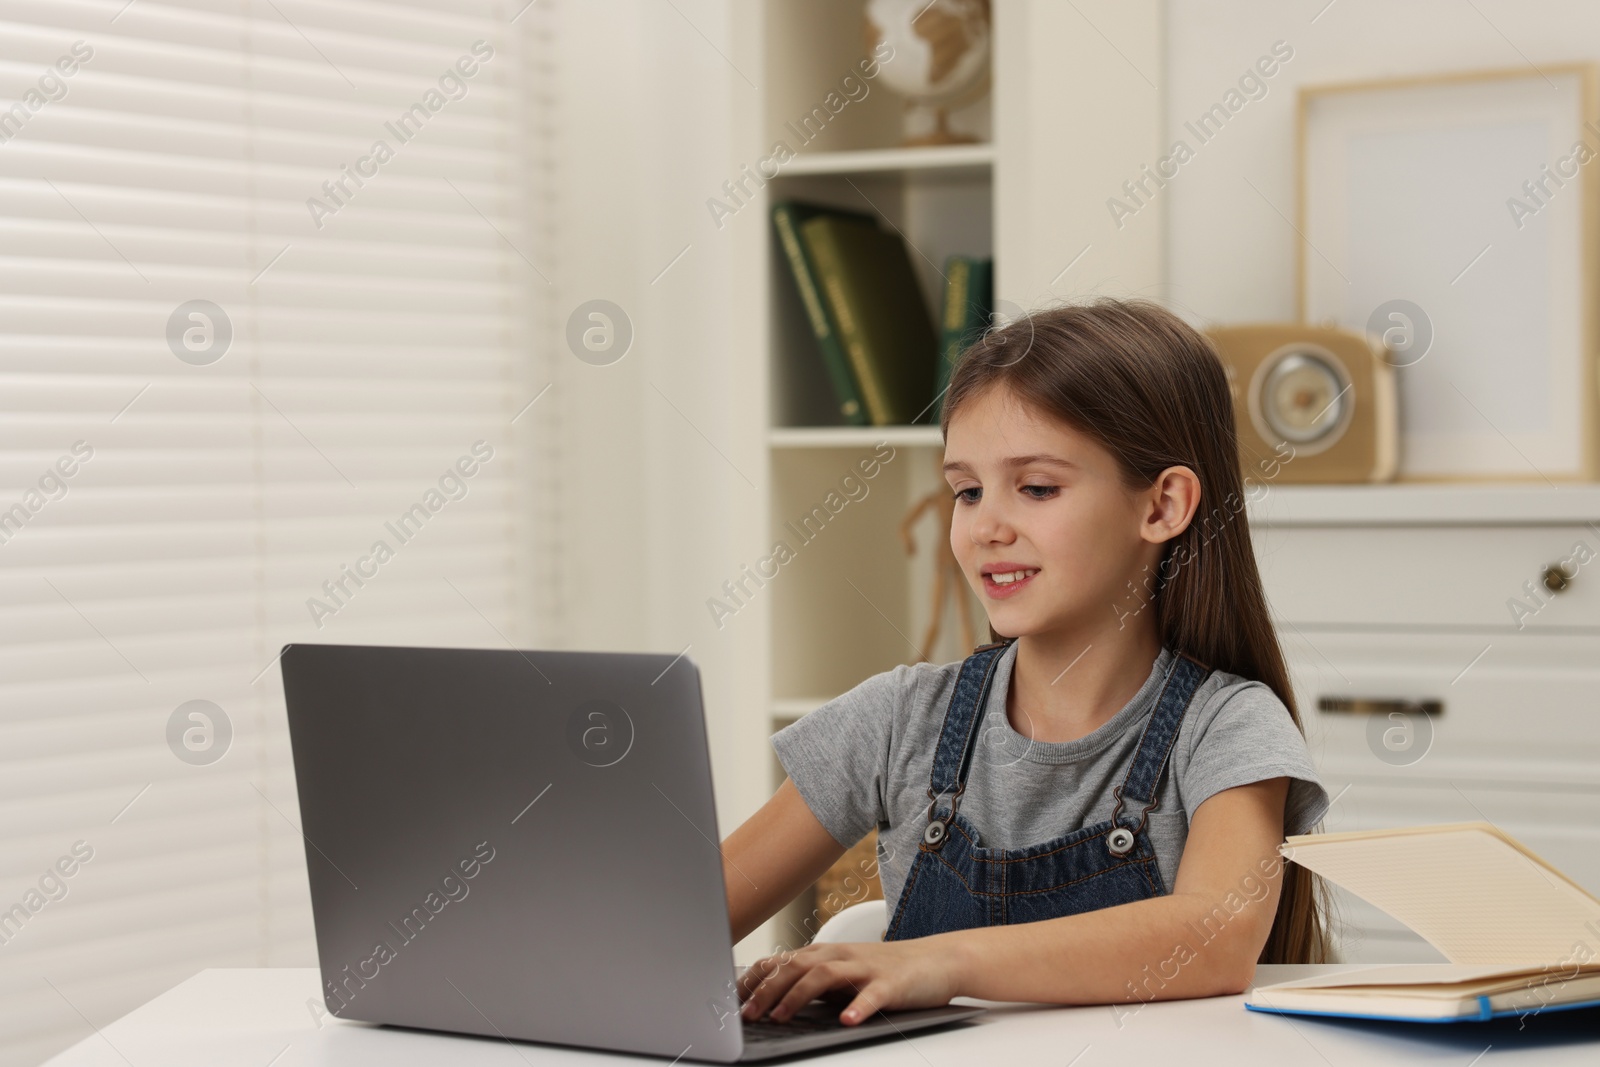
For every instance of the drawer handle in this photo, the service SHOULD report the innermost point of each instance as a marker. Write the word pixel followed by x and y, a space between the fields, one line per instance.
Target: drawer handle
pixel 1557 577
pixel 1380 706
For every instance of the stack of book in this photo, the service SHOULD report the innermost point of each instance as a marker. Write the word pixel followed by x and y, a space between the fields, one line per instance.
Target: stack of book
pixel 874 335
pixel 1520 935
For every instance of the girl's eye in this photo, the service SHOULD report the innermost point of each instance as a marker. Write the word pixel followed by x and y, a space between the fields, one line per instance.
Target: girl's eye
pixel 1044 492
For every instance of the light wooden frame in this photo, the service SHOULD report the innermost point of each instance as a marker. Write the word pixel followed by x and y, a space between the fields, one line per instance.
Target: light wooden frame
pixel 1580 461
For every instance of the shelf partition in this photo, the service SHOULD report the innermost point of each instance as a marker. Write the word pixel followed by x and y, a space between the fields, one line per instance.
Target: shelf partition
pixel 854 436
pixel 961 159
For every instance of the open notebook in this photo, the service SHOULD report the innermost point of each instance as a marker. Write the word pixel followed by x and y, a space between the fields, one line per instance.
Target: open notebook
pixel 1520 936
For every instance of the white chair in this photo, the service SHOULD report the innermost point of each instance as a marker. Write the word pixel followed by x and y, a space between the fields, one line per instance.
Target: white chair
pixel 865 921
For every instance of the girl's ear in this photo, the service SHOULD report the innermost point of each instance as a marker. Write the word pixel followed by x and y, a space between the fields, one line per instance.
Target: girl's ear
pixel 1170 502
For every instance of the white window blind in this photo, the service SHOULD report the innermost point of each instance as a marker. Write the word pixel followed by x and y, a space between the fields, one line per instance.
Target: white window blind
pixel 173 511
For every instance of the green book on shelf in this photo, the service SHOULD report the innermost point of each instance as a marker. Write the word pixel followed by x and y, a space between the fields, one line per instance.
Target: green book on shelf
pixel 787 216
pixel 968 303
pixel 884 325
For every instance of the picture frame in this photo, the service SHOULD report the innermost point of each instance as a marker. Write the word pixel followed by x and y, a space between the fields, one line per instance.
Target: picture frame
pixel 1483 284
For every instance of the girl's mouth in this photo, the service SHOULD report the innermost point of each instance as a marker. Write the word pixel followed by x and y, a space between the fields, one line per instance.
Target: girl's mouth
pixel 1000 586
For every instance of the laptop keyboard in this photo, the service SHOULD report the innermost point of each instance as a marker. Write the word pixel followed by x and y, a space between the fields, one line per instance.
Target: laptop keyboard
pixel 769 1030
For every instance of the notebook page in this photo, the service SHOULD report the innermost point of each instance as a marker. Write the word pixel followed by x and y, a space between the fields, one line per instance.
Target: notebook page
pixel 1466 890
pixel 1454 978
pixel 1397 974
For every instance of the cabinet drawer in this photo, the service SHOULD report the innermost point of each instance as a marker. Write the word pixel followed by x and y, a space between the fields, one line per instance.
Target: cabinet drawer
pixel 1430 575
pixel 1515 707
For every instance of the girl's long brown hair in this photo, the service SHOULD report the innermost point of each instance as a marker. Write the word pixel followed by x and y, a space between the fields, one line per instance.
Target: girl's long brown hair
pixel 1152 391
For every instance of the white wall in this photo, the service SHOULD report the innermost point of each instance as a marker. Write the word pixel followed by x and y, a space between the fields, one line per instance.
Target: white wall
pixel 661 462
pixel 1077 108
pixel 1230 255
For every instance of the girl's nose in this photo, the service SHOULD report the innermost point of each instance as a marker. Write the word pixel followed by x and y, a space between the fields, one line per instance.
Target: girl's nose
pixel 990 524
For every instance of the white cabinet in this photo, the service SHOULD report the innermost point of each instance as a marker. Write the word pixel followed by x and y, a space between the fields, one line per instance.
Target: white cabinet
pixel 1425 698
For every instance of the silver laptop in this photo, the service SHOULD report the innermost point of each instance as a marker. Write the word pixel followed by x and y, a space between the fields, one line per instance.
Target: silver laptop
pixel 524 845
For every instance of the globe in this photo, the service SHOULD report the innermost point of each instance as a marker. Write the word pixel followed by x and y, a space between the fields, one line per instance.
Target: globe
pixel 941 57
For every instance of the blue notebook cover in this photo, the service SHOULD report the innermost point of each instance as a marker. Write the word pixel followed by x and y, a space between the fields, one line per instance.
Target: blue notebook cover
pixel 1483 1014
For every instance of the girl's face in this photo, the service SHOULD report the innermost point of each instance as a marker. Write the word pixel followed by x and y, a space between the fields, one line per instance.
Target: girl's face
pixel 1038 497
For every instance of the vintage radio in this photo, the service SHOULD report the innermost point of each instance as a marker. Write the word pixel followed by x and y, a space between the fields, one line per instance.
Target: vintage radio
pixel 1311 403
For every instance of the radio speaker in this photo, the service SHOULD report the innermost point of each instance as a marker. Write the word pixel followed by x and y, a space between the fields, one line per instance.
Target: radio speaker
pixel 1311 403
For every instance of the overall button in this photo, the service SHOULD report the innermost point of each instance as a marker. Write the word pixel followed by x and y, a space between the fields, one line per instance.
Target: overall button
pixel 934 834
pixel 1120 841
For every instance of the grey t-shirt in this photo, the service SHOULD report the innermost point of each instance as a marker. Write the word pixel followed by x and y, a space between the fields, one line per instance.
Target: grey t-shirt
pixel 863 760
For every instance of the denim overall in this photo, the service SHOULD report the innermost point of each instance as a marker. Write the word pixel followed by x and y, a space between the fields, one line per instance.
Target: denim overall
pixel 956 884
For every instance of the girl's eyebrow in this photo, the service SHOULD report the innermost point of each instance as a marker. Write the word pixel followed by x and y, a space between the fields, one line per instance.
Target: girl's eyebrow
pixel 1019 461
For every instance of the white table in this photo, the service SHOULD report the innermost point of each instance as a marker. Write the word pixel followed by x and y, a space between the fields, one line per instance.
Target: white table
pixel 253 1018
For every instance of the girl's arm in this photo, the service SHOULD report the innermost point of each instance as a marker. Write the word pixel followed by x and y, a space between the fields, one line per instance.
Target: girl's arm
pixel 771 858
pixel 1202 939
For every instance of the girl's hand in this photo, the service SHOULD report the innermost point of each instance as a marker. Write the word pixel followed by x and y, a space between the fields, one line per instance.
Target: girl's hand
pixel 873 975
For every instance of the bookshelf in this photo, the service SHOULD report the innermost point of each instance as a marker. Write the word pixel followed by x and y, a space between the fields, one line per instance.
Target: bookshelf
pixel 1030 192
pixel 852 436
pixel 939 209
pixel 851 602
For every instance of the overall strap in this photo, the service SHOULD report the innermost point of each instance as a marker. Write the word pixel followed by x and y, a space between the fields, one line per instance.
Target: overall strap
pixel 954 755
pixel 1155 744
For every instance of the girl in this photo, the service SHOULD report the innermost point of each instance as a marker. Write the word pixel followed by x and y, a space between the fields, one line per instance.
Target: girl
pixel 1088 808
